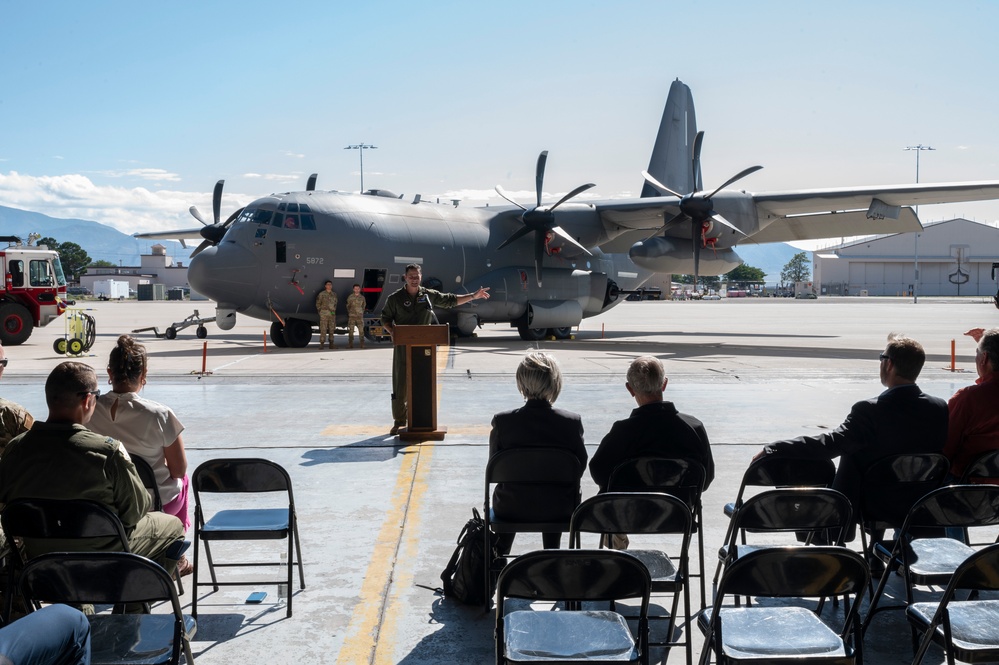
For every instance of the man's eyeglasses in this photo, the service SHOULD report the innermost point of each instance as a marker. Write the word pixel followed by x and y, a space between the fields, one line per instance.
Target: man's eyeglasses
pixel 3 362
pixel 96 393
pixel 884 356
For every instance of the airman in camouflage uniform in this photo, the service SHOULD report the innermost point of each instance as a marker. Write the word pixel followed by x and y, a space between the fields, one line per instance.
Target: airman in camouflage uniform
pixel 410 306
pixel 326 306
pixel 355 316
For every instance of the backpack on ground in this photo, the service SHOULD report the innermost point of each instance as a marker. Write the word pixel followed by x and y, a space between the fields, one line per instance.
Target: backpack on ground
pixel 464 575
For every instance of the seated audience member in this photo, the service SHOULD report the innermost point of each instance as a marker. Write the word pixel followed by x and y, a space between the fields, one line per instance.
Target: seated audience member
pixel 536 424
pixel 61 459
pixel 654 429
pixel 148 429
pixel 973 426
pixel 53 635
pixel 902 419
pixel 14 418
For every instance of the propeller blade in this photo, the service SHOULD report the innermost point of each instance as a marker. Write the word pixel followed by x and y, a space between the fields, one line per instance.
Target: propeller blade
pixel 539 254
pixel 232 218
pixel 310 186
pixel 578 190
pixel 695 162
pixel 518 234
pixel 678 217
pixel 502 192
pixel 204 245
pixel 539 176
pixel 658 185
pixel 217 200
pixel 695 235
pixel 738 176
pixel 724 222
pixel 197 214
pixel 565 234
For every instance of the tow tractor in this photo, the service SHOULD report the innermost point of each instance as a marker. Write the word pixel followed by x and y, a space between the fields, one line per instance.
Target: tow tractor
pixel 171 332
pixel 33 292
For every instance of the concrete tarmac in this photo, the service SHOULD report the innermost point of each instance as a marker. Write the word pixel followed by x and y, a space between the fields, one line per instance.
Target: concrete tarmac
pixel 379 519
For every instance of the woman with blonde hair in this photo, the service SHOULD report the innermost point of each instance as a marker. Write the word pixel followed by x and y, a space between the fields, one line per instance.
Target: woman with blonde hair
pixel 148 429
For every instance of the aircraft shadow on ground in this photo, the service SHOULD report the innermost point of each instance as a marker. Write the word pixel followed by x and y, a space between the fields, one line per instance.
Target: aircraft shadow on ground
pixel 373 449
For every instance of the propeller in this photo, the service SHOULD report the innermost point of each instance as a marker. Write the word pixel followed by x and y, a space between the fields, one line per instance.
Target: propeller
pixel 541 220
pixel 214 232
pixel 697 206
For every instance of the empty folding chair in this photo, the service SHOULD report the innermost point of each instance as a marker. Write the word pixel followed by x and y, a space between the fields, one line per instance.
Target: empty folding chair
pixel 776 471
pixel 784 633
pixel 966 629
pixel 244 476
pixel 115 578
pixel 931 561
pixel 636 514
pixel 808 511
pixel 681 478
pixel 547 468
pixel 572 636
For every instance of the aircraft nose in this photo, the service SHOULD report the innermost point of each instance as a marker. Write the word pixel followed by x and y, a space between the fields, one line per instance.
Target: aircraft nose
pixel 226 273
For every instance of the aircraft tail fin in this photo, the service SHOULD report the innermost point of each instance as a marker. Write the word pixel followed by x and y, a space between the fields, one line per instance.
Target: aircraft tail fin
pixel 672 160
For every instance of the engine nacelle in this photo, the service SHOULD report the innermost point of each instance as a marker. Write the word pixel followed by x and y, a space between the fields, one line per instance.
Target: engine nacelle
pixel 225 319
pixel 554 313
pixel 668 255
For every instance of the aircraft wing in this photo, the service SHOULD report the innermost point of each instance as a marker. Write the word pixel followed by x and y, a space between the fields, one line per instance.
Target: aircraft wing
pixel 806 201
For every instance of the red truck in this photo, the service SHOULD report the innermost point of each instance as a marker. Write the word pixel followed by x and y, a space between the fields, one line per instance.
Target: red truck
pixel 33 292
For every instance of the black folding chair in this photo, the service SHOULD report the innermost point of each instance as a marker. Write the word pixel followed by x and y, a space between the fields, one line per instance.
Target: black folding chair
pixel 148 481
pixel 966 629
pixel 982 469
pixel 244 476
pixel 636 513
pixel 526 467
pixel 931 561
pixel 807 511
pixel 115 578
pixel 776 471
pixel 680 477
pixel 46 525
pixel 775 634
pixel 572 636
pixel 888 491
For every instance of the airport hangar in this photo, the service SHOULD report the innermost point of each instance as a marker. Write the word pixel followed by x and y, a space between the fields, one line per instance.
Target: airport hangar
pixel 955 258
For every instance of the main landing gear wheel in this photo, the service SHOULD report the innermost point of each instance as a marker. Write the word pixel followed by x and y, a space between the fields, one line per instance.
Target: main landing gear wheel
pixel 171 333
pixel 15 324
pixel 60 346
pixel 277 335
pixel 297 333
pixel 531 334
pixel 202 332
pixel 561 333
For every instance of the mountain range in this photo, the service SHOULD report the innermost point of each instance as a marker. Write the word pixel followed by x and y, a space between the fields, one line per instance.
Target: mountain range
pixel 105 243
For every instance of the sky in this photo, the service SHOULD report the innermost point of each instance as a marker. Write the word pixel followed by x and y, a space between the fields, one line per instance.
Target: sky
pixel 127 113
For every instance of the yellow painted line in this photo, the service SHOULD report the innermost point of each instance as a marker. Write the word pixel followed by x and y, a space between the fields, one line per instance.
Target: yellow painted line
pixel 402 578
pixel 362 633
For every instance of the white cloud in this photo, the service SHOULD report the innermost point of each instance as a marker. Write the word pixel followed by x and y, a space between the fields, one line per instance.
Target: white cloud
pixel 278 177
pixel 143 174
pixel 289 153
pixel 128 209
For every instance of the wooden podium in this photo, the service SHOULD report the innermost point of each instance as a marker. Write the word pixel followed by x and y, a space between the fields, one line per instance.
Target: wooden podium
pixel 420 345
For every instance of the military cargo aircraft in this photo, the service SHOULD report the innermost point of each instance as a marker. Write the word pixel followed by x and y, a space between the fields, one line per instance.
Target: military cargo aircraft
pixel 547 266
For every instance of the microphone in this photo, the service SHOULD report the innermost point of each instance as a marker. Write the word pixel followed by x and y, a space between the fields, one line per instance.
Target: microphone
pixel 430 307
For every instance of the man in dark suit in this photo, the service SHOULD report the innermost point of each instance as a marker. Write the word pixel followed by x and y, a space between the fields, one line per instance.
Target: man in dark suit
pixel 537 424
pixel 902 419
pixel 654 429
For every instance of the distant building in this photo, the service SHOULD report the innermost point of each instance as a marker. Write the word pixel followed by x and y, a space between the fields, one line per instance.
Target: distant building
pixel 155 268
pixel 955 259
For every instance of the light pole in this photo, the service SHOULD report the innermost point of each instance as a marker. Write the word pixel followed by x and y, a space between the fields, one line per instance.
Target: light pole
pixel 361 147
pixel 915 252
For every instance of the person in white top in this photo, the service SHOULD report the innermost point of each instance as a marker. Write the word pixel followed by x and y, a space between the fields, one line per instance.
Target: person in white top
pixel 148 429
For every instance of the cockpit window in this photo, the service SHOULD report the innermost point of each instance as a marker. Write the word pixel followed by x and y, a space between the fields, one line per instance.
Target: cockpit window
pixel 291 219
pixel 255 216
pixel 308 222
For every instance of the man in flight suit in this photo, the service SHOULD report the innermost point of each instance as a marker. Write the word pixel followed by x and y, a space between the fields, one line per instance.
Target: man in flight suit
pixel 326 306
pixel 411 306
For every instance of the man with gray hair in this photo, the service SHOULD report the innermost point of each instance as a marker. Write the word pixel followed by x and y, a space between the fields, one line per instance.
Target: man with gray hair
pixel 973 424
pixel 654 429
